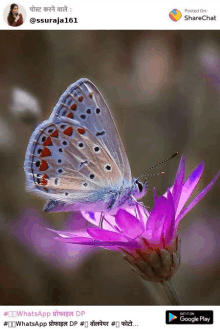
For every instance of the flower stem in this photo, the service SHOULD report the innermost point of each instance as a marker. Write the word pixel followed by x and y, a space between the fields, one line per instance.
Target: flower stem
pixel 162 293
pixel 170 292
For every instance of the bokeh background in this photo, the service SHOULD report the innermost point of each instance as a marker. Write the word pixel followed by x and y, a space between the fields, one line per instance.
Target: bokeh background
pixel 163 90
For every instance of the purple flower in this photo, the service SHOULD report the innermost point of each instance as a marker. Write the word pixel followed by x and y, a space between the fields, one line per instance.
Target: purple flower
pixel 149 239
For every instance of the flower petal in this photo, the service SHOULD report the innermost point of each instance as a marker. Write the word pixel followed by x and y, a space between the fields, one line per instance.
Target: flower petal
pixel 169 222
pixel 197 199
pixel 92 217
pixel 189 187
pixel 91 242
pixel 104 235
pixel 155 221
pixel 178 183
pixel 82 233
pixel 129 224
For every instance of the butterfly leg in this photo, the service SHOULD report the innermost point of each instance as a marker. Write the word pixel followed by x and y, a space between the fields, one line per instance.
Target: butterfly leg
pixel 101 221
pixel 140 203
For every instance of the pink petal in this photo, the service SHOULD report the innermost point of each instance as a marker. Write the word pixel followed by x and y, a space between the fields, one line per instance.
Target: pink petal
pixel 92 217
pixel 189 187
pixel 76 240
pixel 197 199
pixel 82 233
pixel 129 224
pixel 169 222
pixel 91 242
pixel 155 221
pixel 105 235
pixel 109 223
pixel 178 183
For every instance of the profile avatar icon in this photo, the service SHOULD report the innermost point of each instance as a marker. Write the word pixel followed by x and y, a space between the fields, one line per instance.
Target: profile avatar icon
pixel 14 18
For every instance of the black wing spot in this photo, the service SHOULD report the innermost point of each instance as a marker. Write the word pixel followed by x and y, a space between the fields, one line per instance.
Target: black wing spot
pixel 43 138
pixel 82 163
pixel 96 149
pixel 66 193
pixel 83 116
pixel 37 163
pixel 98 111
pixel 92 176
pixel 100 133
pixel 56 181
pixel 60 150
pixel 88 111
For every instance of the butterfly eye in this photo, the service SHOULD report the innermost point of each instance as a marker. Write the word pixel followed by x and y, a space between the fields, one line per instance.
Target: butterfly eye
pixel 140 186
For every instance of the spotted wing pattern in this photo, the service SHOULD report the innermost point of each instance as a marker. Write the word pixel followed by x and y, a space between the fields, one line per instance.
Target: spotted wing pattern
pixel 83 102
pixel 77 155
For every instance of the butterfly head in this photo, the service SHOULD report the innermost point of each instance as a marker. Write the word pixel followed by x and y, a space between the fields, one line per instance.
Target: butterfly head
pixel 139 188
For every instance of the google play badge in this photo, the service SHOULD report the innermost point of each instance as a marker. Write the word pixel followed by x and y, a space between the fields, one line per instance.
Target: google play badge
pixel 172 317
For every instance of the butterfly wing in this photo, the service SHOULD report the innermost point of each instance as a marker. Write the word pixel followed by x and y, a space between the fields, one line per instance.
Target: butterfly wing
pixel 77 157
pixel 68 164
pixel 83 102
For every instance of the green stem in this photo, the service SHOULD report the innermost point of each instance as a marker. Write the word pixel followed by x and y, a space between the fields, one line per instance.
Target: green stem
pixel 170 292
pixel 162 293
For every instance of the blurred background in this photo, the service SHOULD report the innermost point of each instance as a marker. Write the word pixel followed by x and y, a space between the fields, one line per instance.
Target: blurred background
pixel 163 90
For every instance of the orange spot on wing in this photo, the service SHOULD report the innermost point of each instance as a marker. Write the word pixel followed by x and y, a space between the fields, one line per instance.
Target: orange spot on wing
pixel 45 153
pixel 43 180
pixel 68 131
pixel 43 165
pixel 54 134
pixel 70 115
pixel 81 131
pixel 80 99
pixel 48 142
pixel 73 107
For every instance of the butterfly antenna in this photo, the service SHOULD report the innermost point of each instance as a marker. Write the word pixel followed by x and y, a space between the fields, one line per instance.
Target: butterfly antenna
pixel 158 164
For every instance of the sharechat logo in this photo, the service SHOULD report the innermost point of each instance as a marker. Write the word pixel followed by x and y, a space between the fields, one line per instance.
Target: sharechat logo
pixel 172 317
pixel 175 15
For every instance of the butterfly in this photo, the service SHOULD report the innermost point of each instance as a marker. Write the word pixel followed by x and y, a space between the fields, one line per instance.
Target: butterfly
pixel 76 158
